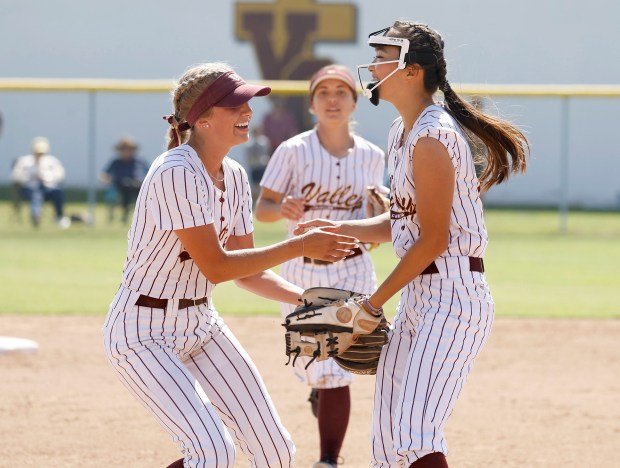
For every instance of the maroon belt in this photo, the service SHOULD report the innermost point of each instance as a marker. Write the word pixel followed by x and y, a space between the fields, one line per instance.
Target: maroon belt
pixel 154 303
pixel 357 251
pixel 475 264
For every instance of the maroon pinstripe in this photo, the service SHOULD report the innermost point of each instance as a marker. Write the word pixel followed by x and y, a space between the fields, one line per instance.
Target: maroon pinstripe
pixel 443 319
pixel 332 188
pixel 185 366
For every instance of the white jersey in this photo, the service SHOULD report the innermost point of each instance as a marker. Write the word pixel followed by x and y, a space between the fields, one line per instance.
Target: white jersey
pixel 443 320
pixel 30 172
pixel 178 193
pixel 333 188
pixel 468 235
pixel 183 363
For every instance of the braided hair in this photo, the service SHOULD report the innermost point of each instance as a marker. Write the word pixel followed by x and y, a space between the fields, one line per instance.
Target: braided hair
pixel 507 147
pixel 189 87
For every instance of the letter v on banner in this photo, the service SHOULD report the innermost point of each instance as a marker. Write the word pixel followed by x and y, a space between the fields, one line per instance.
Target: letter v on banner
pixel 284 33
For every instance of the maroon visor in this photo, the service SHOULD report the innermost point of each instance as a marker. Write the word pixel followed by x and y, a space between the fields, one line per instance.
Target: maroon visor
pixel 228 90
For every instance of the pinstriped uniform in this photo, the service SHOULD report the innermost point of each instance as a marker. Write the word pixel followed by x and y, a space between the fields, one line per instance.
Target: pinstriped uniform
pixel 332 188
pixel 185 366
pixel 443 319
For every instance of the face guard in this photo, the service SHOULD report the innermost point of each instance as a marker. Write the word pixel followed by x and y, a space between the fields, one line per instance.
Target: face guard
pixel 405 57
pixel 376 39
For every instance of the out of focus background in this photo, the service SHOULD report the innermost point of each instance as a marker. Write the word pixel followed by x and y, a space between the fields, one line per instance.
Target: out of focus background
pixel 90 84
pixel 529 42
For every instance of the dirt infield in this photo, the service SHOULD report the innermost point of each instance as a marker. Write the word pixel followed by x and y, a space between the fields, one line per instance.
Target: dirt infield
pixel 543 393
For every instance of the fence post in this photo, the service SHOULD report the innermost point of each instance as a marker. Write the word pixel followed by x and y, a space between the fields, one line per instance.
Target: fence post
pixel 564 164
pixel 92 157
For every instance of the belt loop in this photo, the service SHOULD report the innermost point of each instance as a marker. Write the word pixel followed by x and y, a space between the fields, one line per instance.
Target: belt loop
pixel 172 307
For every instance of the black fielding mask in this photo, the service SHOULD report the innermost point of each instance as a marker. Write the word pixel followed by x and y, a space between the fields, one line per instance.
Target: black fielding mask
pixel 374 99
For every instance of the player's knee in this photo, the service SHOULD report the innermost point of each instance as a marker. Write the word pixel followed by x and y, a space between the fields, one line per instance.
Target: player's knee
pixel 209 450
pixel 226 456
pixel 284 453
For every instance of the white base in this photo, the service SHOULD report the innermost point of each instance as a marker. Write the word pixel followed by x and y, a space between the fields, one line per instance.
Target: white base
pixel 17 345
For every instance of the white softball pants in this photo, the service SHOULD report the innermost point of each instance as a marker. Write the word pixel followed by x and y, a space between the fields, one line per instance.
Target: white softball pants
pixel 440 328
pixel 187 368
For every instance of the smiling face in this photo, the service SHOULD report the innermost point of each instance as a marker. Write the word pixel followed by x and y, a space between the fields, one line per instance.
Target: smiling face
pixel 332 102
pixel 230 125
pixel 379 71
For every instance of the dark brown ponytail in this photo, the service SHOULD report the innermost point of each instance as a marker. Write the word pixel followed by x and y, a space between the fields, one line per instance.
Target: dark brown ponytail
pixel 507 147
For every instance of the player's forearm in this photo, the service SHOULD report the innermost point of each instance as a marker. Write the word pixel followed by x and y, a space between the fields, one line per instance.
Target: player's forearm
pixel 419 256
pixel 375 229
pixel 267 211
pixel 269 285
pixel 246 262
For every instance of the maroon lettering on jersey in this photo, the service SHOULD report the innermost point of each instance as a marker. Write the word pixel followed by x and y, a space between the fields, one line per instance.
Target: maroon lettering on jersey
pixel 317 198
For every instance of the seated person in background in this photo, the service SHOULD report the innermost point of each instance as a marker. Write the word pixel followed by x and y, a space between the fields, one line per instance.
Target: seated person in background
pixel 125 173
pixel 40 176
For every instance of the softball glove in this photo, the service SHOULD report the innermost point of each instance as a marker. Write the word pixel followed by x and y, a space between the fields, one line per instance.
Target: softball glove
pixel 334 323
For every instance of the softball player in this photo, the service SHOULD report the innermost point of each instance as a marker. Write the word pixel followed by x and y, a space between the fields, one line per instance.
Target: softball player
pixel 192 228
pixel 323 173
pixel 437 228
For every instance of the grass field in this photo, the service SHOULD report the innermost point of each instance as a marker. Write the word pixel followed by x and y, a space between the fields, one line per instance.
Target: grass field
pixel 533 271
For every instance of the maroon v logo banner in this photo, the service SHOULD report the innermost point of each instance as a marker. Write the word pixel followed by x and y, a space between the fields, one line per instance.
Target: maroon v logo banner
pixel 284 33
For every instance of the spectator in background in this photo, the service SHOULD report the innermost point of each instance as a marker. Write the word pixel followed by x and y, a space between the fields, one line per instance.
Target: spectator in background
pixel 257 155
pixel 279 124
pixel 125 174
pixel 40 176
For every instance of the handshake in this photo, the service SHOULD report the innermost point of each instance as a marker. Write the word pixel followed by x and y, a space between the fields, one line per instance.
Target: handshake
pixel 338 324
pixel 329 240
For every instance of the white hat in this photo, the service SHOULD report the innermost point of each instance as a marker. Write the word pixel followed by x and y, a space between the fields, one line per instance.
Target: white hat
pixel 40 145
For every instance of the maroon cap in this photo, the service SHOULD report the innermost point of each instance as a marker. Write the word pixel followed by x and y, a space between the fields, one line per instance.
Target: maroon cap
pixel 228 90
